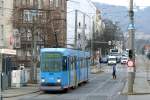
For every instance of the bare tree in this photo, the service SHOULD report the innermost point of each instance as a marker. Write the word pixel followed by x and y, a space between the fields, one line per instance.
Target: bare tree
pixel 110 33
pixel 37 24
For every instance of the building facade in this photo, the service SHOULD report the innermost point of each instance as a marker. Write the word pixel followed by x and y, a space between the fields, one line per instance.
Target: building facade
pixel 98 24
pixel 6 29
pixel 79 23
pixel 38 24
pixel 83 23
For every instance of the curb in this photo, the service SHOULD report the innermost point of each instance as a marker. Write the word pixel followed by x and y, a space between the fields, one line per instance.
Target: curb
pixel 135 93
pixel 21 94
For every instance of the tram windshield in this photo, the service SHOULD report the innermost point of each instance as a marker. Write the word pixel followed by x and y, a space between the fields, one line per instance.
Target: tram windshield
pixel 51 62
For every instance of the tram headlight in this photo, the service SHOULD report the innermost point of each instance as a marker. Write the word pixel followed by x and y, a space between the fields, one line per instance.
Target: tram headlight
pixel 58 80
pixel 43 80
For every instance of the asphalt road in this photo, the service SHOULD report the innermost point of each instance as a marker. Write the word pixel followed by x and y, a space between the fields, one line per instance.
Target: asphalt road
pixel 100 87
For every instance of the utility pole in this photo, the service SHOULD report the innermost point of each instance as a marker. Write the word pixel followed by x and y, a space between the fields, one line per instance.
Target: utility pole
pixel 76 28
pixel 131 28
pixel 34 53
pixel 34 57
pixel 33 70
pixel 92 37
pixel 0 76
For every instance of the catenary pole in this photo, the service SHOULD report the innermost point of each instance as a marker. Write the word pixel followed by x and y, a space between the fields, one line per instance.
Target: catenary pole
pixel 131 75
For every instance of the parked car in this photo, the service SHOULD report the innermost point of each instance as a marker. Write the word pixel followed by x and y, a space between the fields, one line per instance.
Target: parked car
pixel 124 60
pixel 104 59
pixel 112 60
pixel 118 57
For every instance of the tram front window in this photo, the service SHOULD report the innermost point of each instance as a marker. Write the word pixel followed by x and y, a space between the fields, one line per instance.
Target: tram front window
pixel 51 62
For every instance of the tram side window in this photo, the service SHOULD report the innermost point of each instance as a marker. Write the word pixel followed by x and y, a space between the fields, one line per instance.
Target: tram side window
pixel 87 62
pixel 73 63
pixel 70 63
pixel 64 63
pixel 81 63
pixel 78 62
pixel 84 62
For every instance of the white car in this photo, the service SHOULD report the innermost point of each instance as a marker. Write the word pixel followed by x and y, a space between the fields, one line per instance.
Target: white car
pixel 112 60
pixel 124 60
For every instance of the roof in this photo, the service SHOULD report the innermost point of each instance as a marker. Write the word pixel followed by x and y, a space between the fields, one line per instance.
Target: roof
pixel 66 51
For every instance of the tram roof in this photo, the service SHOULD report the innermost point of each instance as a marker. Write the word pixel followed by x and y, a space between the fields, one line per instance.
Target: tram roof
pixel 66 51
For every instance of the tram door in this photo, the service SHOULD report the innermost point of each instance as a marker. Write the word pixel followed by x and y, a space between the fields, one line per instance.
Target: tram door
pixel 75 71
pixel 6 69
pixel 73 74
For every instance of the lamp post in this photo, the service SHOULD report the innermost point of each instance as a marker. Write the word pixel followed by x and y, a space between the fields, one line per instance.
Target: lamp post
pixel 0 76
pixel 1 59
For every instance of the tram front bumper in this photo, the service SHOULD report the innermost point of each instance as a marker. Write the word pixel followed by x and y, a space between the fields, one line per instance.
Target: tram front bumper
pixel 51 88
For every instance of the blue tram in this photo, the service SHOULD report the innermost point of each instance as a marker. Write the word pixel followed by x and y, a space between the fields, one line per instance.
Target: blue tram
pixel 62 68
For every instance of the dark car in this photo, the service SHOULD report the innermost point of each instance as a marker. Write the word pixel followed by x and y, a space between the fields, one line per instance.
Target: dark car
pixel 104 59
pixel 148 55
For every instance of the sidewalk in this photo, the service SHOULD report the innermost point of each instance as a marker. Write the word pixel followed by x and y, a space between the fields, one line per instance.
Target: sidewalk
pixel 139 97
pixel 14 92
pixel 141 85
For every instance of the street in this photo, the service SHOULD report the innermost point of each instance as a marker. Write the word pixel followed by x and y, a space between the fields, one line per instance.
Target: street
pixel 100 87
pixel 73 46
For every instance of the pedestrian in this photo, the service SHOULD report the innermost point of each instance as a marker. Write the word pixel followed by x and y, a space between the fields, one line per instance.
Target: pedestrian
pixel 114 71
pixel 100 59
pixel 100 62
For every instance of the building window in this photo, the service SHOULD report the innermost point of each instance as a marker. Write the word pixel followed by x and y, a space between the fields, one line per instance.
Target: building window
pixel 28 2
pixel 1 7
pixel 30 15
pixel 56 3
pixel 41 4
pixel 1 32
pixel 60 3
pixel 51 3
pixel 63 4
pixel 26 15
pixel 35 3
pixel 18 3
pixel 14 3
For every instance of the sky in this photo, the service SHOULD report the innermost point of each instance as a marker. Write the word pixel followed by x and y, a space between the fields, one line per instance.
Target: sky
pixel 141 3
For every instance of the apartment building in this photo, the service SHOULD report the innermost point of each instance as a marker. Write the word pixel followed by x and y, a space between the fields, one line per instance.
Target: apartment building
pixel 42 20
pixel 80 17
pixel 6 28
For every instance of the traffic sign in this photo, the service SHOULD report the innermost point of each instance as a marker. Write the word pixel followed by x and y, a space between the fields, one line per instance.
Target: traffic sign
pixel 131 27
pixel 130 63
